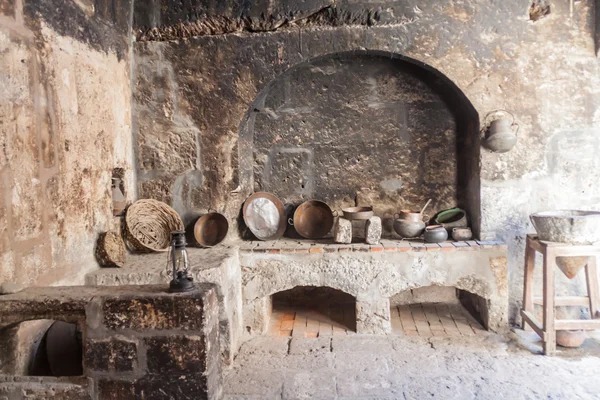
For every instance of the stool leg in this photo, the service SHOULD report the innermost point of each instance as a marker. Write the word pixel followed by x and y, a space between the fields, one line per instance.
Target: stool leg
pixel 591 273
pixel 550 332
pixel 528 282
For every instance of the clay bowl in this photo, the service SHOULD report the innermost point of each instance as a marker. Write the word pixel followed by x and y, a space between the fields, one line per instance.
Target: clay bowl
pixel 435 234
pixel 570 338
pixel 461 234
pixel 570 266
pixel 358 213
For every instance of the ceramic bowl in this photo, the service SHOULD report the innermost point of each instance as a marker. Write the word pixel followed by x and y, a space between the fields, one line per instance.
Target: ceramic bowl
pixel 460 234
pixel 570 338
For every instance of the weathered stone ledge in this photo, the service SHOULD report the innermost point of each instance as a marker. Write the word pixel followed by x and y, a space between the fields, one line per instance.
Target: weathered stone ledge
pixel 288 246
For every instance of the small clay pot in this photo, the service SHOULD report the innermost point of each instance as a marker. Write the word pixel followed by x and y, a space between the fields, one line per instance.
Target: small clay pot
pixel 435 234
pixel 460 234
pixel 570 338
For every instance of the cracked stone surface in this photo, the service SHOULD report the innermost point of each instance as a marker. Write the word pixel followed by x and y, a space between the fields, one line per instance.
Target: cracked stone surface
pixel 487 366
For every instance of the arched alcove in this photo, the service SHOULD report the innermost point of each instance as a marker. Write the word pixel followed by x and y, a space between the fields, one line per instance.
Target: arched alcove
pixel 312 311
pixel 366 127
pixel 438 311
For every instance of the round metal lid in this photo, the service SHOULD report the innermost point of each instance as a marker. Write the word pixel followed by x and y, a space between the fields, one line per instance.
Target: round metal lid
pixel 264 216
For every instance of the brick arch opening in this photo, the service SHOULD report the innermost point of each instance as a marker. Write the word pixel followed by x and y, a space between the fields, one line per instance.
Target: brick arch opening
pixel 438 311
pixel 401 132
pixel 312 311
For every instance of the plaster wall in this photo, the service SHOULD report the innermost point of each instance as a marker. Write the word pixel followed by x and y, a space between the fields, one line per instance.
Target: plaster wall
pixel 192 94
pixel 65 123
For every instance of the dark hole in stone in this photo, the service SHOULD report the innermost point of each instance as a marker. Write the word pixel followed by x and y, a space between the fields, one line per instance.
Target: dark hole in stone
pixel 120 174
pixel 539 9
pixel 42 348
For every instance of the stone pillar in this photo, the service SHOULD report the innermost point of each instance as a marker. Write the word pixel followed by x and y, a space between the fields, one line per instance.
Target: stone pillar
pixel 151 342
pixel 373 315
pixel 256 315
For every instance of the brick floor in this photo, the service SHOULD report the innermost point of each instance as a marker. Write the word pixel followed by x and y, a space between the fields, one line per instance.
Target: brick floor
pixel 428 319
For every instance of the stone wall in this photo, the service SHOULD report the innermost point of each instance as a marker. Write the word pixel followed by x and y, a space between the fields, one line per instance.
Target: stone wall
pixel 65 124
pixel 389 138
pixel 193 94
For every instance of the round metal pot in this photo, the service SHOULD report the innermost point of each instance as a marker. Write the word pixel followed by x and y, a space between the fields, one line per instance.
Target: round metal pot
pixel 313 219
pixel 210 229
pixel 264 215
pixel 409 224
pixel 435 234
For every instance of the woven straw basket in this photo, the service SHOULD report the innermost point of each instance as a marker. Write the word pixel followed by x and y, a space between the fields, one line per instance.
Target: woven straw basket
pixel 149 224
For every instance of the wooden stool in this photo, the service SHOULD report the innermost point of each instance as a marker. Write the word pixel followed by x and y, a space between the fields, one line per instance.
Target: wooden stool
pixel 550 251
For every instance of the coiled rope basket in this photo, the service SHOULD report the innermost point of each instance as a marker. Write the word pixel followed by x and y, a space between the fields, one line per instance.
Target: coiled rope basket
pixel 149 224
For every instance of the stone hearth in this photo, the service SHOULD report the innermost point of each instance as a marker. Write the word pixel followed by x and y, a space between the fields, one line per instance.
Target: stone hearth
pixel 248 274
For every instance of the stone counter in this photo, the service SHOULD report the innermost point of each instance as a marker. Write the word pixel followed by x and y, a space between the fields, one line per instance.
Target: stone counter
pixel 373 274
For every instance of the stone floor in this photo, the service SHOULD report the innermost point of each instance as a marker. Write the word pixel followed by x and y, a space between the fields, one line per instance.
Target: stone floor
pixel 485 366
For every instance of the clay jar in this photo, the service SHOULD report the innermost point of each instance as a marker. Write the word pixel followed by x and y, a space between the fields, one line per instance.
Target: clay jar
pixel 435 234
pixel 460 234
pixel 409 224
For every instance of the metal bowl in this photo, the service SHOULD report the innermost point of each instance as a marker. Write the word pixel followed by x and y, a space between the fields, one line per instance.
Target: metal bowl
pixel 567 226
pixel 264 215
pixel 358 213
pixel 210 229
pixel 313 219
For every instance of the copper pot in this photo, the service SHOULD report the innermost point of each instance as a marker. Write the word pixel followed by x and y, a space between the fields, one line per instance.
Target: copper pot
pixel 313 219
pixel 210 229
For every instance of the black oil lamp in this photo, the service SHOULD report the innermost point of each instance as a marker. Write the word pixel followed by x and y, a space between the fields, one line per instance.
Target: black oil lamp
pixel 178 259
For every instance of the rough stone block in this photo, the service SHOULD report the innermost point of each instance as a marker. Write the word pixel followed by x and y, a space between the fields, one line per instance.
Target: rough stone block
pixel 181 387
pixel 373 229
pixel 342 231
pixel 111 355
pixel 177 354
pixel 373 316
pixel 116 390
pixel 154 313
